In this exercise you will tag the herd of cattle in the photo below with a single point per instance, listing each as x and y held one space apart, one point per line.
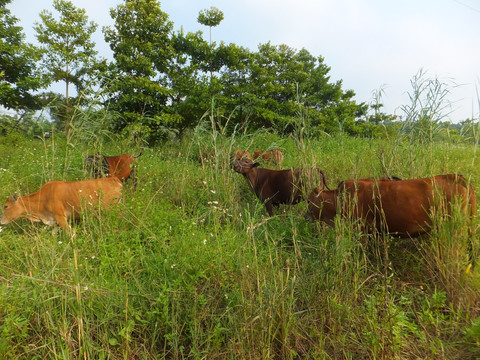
386 205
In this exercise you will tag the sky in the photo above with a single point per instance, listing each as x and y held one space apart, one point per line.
372 46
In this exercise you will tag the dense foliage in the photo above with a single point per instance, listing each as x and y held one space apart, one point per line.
18 71
190 266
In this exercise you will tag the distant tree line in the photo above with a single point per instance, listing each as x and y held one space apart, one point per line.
163 81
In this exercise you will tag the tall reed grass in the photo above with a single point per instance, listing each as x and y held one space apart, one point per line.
191 266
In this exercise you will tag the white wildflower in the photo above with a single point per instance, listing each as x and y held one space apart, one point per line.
204 241
172 266
213 191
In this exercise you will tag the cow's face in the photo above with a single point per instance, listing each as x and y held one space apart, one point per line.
243 166
12 210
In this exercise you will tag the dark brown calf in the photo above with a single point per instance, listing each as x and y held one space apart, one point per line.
274 187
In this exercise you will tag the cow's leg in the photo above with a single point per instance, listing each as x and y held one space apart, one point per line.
61 217
61 220
269 207
133 177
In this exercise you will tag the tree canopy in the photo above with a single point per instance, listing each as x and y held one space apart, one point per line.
18 71
69 54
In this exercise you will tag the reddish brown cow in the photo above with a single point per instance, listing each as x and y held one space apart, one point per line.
119 166
402 207
57 201
274 156
274 187
240 154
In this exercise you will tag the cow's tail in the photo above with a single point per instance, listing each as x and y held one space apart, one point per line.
324 180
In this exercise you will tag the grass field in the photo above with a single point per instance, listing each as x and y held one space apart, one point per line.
191 266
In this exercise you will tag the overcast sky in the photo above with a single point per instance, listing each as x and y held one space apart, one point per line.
369 44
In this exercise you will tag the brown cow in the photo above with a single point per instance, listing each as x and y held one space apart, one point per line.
274 187
274 156
119 166
240 154
401 207
57 201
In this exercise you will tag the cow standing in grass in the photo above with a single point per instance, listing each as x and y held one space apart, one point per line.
58 201
400 207
274 187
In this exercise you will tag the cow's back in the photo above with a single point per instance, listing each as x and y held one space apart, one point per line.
278 185
406 206
57 201
56 195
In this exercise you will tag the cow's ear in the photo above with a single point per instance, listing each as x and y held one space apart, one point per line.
254 165
13 197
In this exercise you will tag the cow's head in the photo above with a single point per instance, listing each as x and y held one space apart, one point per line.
12 210
243 166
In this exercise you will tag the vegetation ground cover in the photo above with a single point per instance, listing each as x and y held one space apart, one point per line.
191 266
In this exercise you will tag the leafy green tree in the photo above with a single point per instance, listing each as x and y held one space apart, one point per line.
18 72
270 88
189 96
69 53
210 17
138 86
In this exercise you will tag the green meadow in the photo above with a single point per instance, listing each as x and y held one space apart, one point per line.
190 266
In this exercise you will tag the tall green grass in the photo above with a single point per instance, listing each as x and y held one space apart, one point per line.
191 266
